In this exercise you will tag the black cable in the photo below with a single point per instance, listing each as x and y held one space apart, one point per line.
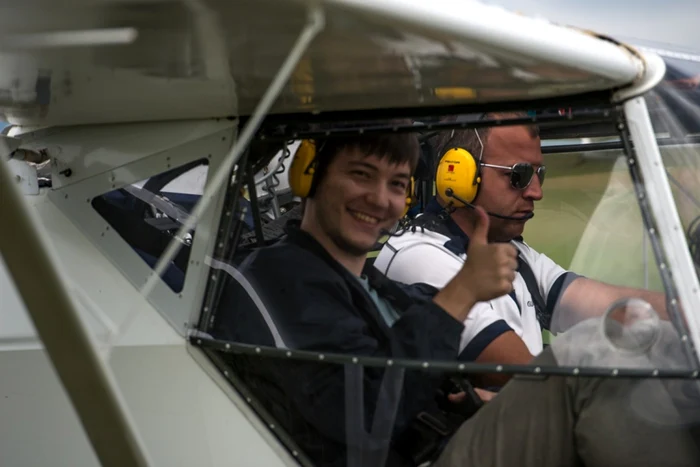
253 193
422 222
694 241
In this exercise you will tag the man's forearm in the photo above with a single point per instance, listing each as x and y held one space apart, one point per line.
588 298
656 299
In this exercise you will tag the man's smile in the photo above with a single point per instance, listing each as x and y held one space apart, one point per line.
363 217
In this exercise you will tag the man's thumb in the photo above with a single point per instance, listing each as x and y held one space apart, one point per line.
481 226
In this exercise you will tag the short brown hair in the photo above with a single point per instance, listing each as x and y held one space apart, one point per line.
469 138
398 148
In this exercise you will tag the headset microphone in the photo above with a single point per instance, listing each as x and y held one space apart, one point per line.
449 192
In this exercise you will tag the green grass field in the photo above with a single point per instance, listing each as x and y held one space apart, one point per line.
589 220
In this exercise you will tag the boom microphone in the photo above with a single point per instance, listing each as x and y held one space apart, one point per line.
451 194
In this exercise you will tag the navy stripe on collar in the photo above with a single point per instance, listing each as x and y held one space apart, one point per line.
459 241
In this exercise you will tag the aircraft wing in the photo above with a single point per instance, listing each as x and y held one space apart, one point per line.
76 62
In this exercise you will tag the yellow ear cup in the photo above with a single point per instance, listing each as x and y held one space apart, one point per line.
301 172
410 196
457 170
406 208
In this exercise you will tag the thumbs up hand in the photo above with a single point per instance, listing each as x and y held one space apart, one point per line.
482 223
489 269
488 272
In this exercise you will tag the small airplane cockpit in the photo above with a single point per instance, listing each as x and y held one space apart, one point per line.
592 221
350 233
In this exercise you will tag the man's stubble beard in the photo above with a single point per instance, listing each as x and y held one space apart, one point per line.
337 237
349 247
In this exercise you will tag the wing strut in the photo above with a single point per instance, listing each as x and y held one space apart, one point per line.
89 382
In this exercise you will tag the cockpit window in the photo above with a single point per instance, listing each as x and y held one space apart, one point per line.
148 214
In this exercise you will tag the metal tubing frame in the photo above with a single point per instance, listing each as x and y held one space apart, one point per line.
289 127
89 382
231 217
253 193
204 341
616 145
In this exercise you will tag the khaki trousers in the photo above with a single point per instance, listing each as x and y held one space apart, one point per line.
576 421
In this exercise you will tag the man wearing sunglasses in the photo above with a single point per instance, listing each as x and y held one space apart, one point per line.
509 179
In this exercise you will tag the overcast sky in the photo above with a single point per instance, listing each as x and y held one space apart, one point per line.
675 22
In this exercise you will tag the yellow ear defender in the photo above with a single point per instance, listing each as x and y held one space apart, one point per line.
301 172
303 168
459 171
411 196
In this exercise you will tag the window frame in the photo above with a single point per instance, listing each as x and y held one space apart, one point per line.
209 140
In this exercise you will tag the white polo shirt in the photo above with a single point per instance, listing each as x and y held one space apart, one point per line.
433 258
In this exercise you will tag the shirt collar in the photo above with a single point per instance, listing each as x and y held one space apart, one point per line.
459 241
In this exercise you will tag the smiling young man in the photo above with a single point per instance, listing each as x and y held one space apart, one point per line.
507 329
311 293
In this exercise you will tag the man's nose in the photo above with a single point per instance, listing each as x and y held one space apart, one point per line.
378 195
534 190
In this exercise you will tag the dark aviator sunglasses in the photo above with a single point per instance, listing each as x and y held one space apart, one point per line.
521 173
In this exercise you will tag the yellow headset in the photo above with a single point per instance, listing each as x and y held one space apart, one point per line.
459 170
303 168
301 172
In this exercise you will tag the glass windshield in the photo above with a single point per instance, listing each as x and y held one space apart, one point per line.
590 224
147 215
